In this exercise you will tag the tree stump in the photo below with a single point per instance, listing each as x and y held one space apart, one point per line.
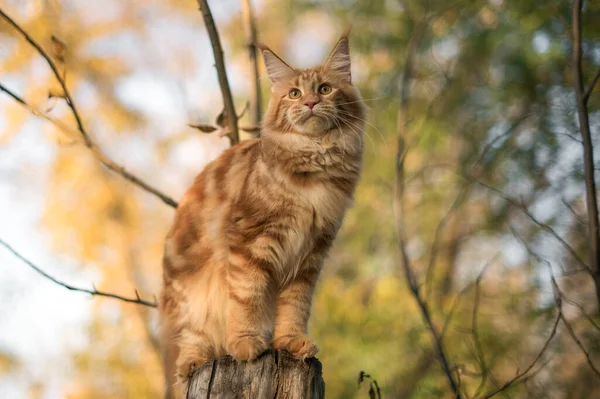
275 374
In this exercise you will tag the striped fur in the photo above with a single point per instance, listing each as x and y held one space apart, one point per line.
249 237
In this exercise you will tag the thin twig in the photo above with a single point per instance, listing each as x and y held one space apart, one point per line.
411 50
251 40
89 143
215 41
93 291
37 112
578 342
582 312
452 309
459 201
588 150
462 292
544 226
559 298
588 91
485 372
55 71
14 96
524 374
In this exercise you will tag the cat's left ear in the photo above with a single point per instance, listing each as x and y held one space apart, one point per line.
339 59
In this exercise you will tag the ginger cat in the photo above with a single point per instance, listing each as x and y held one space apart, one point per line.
249 237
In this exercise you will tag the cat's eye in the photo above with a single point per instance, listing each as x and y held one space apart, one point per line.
294 93
324 89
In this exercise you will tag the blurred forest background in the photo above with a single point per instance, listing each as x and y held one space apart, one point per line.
487 197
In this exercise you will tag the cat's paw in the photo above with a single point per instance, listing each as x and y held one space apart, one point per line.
299 345
247 348
186 367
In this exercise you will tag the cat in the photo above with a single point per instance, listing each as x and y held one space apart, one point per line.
249 238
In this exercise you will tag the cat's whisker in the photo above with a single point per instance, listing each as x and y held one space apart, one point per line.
363 120
363 100
353 129
352 126
342 135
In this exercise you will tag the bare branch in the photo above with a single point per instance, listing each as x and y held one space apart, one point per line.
578 342
459 201
411 50
55 71
14 96
89 143
588 149
582 311
93 291
528 213
95 150
462 292
524 374
559 298
588 91
37 112
452 309
251 41
480 353
215 41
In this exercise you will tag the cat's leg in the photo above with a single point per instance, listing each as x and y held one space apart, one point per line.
249 306
292 313
195 349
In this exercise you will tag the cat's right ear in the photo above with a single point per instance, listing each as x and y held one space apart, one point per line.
277 69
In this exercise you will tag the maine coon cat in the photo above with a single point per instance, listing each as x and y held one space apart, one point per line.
243 255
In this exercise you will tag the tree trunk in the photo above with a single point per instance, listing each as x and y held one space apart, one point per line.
275 374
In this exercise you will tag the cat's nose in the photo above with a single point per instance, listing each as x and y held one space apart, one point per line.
311 105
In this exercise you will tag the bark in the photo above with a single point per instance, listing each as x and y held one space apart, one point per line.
275 374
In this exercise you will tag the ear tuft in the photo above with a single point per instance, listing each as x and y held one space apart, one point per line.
277 69
339 59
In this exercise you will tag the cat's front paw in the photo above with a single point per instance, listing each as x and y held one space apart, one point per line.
247 348
298 345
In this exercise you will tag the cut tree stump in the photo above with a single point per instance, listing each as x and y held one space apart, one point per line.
275 374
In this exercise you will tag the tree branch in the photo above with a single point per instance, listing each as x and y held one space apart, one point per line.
590 88
544 226
559 297
250 28
89 143
94 291
588 358
524 374
55 71
485 370
588 150
213 34
459 201
412 48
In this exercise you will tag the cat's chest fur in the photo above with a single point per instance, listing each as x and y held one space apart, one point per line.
316 216
325 205
320 180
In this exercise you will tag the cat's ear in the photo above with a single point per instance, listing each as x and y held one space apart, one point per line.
339 59
277 69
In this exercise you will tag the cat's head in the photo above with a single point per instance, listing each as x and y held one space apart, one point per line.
312 101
